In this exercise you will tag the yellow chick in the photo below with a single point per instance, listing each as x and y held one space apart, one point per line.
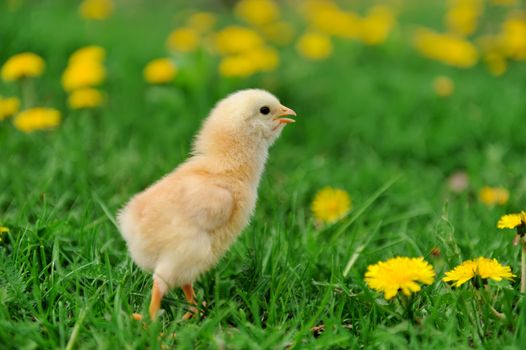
180 226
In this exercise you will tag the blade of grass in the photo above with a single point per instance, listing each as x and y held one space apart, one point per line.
76 328
105 209
359 212
356 254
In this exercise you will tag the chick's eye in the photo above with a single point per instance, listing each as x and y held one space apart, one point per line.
264 110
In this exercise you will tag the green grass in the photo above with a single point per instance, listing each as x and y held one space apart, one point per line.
369 123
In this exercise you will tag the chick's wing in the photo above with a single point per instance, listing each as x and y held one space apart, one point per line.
206 204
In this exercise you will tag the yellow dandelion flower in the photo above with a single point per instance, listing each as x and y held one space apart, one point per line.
512 220
496 63
85 98
481 267
259 59
235 39
446 48
183 40
265 59
462 16
443 86
96 9
83 73
202 21
376 26
494 195
314 46
89 53
399 274
257 12
160 71
3 231
37 118
494 55
513 36
22 65
331 204
8 106
240 66
327 18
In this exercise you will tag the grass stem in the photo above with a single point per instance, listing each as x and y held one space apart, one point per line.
523 266
75 332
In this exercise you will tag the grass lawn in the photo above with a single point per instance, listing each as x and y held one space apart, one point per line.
369 123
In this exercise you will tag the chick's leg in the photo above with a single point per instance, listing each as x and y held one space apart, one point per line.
158 291
189 294
155 302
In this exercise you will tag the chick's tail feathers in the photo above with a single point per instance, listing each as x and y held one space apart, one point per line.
128 227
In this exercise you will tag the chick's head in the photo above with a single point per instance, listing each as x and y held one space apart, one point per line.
252 113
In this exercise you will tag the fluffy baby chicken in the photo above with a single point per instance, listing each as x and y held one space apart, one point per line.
180 226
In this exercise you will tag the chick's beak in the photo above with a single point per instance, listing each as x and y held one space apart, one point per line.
285 111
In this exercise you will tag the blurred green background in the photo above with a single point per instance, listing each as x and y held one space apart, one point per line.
394 98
